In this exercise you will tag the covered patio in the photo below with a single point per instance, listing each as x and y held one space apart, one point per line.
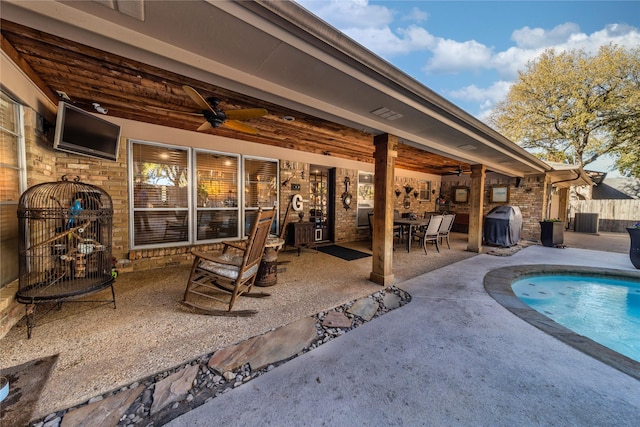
100 349
330 102
150 333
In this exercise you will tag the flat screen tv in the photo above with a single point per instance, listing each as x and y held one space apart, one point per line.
80 132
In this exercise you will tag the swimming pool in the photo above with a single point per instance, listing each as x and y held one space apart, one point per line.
498 283
603 309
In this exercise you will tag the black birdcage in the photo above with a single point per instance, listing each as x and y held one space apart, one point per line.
65 244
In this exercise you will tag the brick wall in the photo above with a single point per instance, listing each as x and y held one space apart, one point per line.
346 220
415 205
530 197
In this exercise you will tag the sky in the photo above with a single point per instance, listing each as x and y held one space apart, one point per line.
470 52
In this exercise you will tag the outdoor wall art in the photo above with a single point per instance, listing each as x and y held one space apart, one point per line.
499 194
461 195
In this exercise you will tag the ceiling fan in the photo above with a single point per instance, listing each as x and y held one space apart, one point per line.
215 117
459 171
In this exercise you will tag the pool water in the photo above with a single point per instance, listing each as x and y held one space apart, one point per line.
605 310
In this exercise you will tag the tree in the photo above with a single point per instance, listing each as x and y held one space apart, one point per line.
572 107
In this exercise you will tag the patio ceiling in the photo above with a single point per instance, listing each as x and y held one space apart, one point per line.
133 58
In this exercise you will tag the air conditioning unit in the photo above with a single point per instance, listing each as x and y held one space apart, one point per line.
586 223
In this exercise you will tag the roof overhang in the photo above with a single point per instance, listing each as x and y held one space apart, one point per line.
564 175
279 52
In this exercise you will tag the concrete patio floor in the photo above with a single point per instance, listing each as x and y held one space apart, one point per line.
453 356
100 349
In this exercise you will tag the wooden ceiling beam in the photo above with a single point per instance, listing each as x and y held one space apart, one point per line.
12 53
130 89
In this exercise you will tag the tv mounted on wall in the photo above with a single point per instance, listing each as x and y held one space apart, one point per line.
80 132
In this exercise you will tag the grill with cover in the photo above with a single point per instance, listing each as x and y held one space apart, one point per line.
502 226
65 244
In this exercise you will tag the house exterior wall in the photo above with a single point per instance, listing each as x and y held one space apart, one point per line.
529 196
44 164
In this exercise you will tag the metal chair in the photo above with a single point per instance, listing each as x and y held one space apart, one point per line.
231 274
430 232
398 230
445 228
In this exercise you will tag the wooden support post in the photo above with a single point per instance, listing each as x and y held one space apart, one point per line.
382 246
476 208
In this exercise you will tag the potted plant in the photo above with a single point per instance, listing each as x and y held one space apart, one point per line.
634 249
551 232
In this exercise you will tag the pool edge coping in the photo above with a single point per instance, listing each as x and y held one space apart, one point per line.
498 283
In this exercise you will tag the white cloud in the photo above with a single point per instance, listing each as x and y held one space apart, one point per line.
530 43
486 98
350 14
534 38
416 15
450 56
372 25
386 43
622 35
507 63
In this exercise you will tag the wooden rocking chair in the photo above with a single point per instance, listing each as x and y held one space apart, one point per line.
226 276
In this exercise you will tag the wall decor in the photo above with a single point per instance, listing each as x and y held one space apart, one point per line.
461 195
346 196
499 194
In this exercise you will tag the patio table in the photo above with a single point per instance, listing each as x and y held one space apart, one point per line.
411 224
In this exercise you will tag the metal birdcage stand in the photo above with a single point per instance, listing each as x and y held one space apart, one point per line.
65 244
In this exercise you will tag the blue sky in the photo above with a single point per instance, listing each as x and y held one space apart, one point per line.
470 52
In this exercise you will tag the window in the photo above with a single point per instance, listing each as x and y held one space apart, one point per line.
186 196
424 192
160 188
12 184
217 195
260 189
365 198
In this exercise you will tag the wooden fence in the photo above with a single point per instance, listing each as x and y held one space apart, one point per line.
613 215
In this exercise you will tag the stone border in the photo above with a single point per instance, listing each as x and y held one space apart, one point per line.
203 383
498 284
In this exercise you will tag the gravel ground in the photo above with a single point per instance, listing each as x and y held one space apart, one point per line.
210 384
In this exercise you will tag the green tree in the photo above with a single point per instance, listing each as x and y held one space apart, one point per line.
572 107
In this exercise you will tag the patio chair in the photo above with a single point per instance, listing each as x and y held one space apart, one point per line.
430 232
398 230
231 274
445 228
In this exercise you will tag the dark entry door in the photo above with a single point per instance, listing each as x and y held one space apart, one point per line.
321 203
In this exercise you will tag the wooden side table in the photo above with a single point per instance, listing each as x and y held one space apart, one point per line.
300 234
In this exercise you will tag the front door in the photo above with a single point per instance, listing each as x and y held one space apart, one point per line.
319 203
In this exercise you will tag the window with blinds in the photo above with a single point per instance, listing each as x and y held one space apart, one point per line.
160 189
181 195
260 189
217 190
11 176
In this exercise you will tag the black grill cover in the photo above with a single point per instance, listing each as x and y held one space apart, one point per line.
502 226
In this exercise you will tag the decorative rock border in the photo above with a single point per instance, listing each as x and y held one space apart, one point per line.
164 396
